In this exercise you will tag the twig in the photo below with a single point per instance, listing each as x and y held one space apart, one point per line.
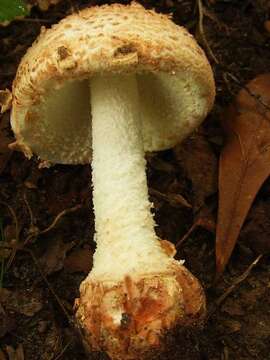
201 30
49 285
34 20
199 221
256 97
12 212
236 282
63 351
35 230
58 217
29 210
14 247
187 234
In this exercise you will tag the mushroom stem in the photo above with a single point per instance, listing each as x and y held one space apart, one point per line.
135 292
125 236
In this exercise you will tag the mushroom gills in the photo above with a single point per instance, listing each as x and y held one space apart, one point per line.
51 132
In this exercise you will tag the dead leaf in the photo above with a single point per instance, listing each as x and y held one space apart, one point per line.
5 140
13 354
45 4
230 326
200 166
2 355
79 260
204 219
52 343
159 164
244 162
54 257
24 302
256 232
175 200
5 100
6 323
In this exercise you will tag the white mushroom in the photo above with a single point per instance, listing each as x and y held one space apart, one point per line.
118 81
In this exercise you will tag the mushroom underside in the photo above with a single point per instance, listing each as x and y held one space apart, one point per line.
58 130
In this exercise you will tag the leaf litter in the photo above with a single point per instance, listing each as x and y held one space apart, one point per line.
244 162
199 164
173 180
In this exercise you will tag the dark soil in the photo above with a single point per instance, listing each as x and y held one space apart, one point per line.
41 278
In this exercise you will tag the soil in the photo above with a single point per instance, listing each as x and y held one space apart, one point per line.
42 274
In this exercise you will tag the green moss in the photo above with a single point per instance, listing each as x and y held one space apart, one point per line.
10 9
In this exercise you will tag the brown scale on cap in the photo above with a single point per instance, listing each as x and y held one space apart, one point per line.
116 39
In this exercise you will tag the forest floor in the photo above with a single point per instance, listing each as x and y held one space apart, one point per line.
42 270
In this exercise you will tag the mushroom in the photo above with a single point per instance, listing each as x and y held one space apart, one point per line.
110 83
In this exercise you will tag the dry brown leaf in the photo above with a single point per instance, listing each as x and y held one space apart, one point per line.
24 302
5 139
256 231
244 163
2 355
54 257
52 343
175 200
6 323
79 260
200 165
5 100
45 4
13 354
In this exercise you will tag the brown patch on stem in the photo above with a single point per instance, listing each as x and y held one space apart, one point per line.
129 319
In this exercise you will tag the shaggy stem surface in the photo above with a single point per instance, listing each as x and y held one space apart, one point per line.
125 236
135 293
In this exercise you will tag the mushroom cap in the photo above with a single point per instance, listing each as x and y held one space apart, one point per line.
51 105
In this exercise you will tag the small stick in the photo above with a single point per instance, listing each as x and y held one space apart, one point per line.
256 97
12 212
49 285
236 282
187 234
63 351
201 30
58 217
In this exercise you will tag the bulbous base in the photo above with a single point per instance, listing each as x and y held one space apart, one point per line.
130 319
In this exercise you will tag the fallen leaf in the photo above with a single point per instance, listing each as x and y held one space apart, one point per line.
204 219
13 354
5 100
5 139
45 4
24 302
79 260
244 162
229 326
256 232
52 343
2 355
159 164
199 163
175 200
233 307
6 323
54 257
